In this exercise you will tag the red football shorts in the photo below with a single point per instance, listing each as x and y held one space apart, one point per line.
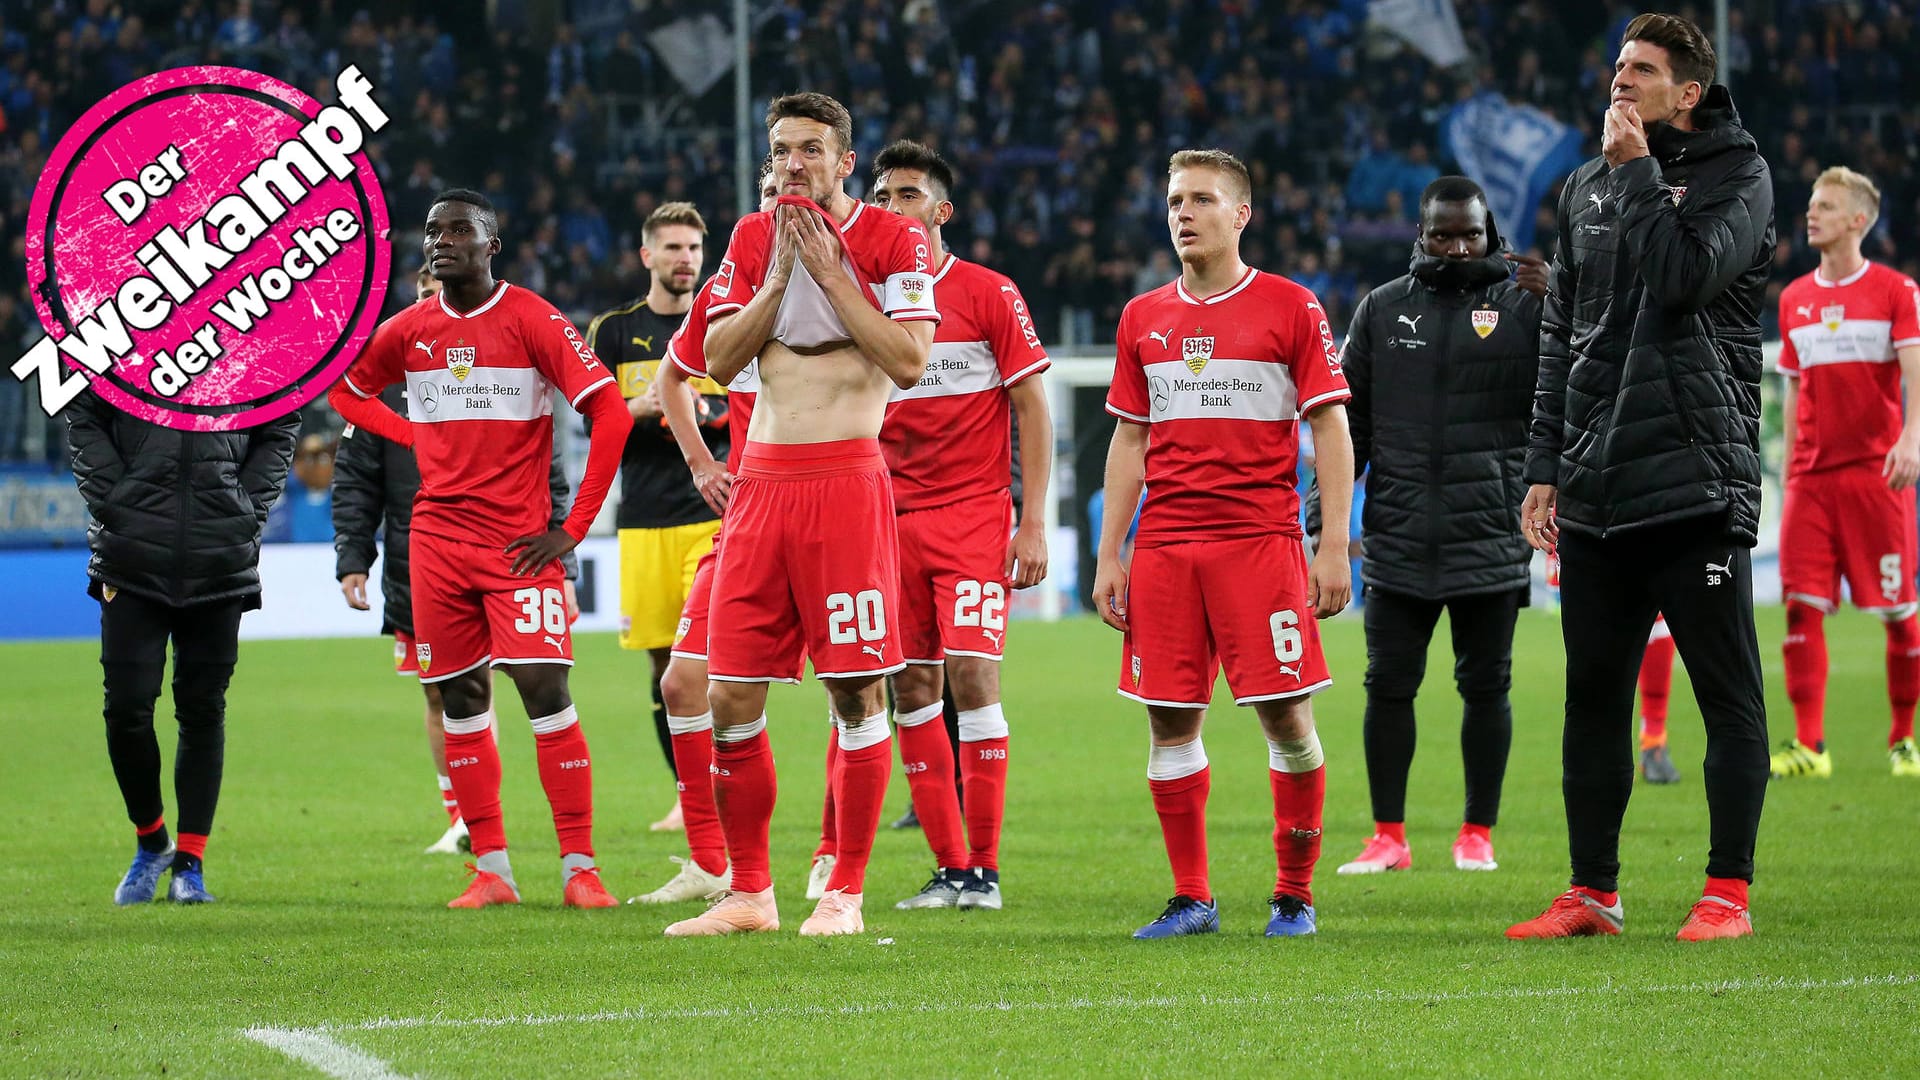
405 662
690 640
953 592
1195 607
1846 523
468 610
811 567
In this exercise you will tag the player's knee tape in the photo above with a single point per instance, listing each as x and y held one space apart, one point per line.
919 716
740 733
1175 762
1296 755
689 725
472 725
869 732
979 725
560 721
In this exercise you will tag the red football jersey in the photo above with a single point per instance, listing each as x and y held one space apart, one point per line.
1223 381
947 438
480 396
1840 339
887 253
687 349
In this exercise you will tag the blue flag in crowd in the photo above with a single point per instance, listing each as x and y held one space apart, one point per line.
1515 152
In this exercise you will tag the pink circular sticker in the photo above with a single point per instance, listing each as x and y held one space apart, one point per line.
208 247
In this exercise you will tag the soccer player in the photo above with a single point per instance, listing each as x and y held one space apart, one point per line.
704 873
1215 370
481 362
836 301
947 446
1850 340
1656 686
665 525
374 483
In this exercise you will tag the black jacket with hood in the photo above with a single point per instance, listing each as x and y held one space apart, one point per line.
1648 405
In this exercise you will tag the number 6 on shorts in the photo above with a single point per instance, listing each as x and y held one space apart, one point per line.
1286 635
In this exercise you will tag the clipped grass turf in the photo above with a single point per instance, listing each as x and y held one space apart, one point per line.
331 934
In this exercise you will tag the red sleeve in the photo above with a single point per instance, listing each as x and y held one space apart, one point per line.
609 424
1016 345
561 352
1906 313
382 363
370 414
1313 358
1127 397
687 348
1789 359
742 269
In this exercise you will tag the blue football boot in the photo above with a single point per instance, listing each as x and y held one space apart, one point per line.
1184 915
187 887
1292 917
143 877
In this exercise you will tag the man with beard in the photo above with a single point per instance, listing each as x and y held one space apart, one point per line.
665 525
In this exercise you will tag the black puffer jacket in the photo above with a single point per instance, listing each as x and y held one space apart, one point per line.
374 482
176 515
1440 412
1648 406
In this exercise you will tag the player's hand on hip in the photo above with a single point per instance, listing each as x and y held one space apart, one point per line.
1902 467
1329 583
1027 556
817 243
715 485
573 601
354 588
535 552
1110 593
1537 522
1530 272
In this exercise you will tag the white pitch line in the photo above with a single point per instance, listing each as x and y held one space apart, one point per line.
313 1045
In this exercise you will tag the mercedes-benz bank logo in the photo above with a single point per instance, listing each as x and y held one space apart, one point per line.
428 402
1162 393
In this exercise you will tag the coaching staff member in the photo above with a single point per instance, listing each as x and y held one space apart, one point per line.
1442 364
175 523
1645 460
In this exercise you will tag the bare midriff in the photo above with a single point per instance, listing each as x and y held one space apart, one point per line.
821 395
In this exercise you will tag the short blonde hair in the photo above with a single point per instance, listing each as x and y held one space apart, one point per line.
1866 197
672 213
1239 182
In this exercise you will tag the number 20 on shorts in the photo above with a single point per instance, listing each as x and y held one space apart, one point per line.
852 617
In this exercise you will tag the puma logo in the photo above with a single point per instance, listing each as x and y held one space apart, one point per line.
993 636
1293 671
425 347
1599 201
877 654
1805 311
1161 337
1413 324
1716 574
555 642
644 342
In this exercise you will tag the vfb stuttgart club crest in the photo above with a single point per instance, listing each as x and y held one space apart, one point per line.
423 654
1196 351
1833 315
460 361
1484 321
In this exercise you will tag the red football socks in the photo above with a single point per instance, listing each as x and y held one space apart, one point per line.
1395 831
194 844
928 758
1182 806
1732 890
1805 653
1656 683
1297 801
1903 675
473 763
983 767
566 772
693 760
744 788
1608 899
859 789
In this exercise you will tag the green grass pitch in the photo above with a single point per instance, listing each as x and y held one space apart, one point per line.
331 937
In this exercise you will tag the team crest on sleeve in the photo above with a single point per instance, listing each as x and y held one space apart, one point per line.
460 361
1484 320
1196 351
1833 315
914 289
423 654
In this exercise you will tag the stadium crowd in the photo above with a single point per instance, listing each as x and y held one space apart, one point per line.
1057 115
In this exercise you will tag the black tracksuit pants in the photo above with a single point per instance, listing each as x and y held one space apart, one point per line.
134 632
1610 590
1399 628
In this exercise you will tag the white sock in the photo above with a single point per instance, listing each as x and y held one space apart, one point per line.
689 725
1296 755
573 864
918 716
495 862
869 732
1174 762
986 722
741 732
